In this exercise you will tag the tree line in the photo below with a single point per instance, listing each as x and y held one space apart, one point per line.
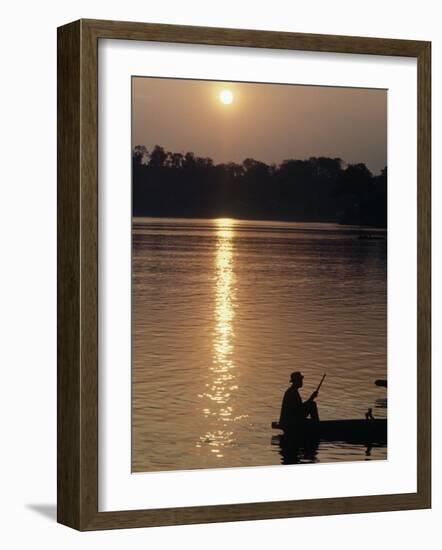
318 189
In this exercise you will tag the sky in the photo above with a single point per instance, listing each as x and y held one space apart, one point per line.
267 122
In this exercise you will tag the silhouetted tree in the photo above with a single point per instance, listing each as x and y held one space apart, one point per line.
141 154
157 157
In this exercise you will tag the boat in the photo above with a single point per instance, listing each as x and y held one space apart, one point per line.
350 431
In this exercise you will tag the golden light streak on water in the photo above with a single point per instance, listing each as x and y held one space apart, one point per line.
222 386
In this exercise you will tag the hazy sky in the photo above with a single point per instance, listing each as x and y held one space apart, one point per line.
268 122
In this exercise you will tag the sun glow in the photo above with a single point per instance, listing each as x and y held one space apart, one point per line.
226 97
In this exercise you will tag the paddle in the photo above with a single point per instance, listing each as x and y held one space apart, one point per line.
320 383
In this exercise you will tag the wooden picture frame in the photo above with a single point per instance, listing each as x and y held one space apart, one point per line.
78 274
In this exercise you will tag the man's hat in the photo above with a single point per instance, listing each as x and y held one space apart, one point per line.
296 376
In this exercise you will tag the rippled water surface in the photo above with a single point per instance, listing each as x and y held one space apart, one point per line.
223 312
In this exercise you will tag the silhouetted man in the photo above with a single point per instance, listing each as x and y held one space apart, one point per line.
293 410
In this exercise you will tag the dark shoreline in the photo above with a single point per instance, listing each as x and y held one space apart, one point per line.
314 190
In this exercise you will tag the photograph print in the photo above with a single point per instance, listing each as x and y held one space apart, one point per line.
259 274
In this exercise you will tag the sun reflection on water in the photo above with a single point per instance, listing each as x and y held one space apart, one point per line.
222 384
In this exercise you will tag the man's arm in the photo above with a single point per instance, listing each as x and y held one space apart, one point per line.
313 396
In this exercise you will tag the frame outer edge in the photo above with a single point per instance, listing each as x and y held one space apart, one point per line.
77 223
89 274
253 38
68 272
424 275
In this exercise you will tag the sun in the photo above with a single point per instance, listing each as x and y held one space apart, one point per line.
226 97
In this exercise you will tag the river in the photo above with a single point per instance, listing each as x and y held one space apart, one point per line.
224 310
